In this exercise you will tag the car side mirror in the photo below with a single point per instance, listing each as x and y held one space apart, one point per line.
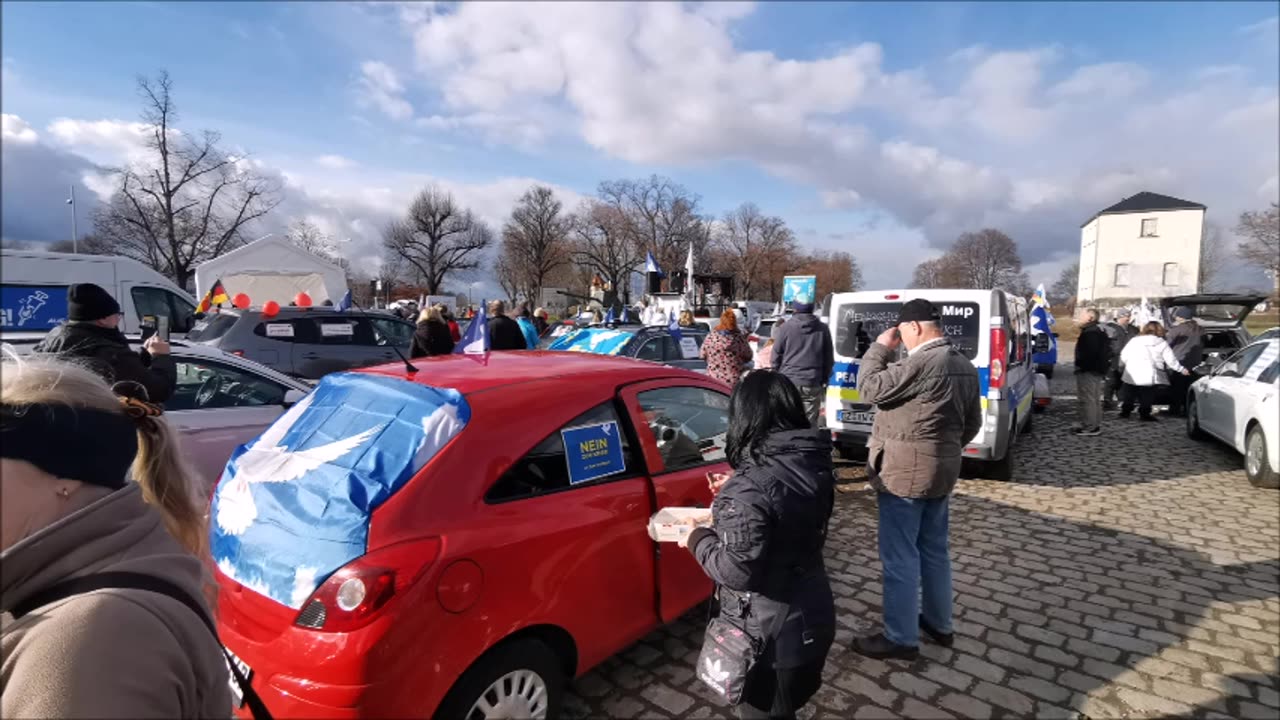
1227 368
1040 343
292 397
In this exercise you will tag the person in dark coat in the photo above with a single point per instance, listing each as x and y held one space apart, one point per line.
1120 330
1093 362
540 321
432 336
764 546
802 351
91 336
1185 339
504 333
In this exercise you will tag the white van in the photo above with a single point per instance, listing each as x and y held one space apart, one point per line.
991 327
33 290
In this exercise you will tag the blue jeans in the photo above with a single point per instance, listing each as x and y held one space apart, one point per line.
913 552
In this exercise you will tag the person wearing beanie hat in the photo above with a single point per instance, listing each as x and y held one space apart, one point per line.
1185 339
803 352
91 336
927 409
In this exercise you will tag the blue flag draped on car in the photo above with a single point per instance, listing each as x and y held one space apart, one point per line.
294 505
344 304
476 338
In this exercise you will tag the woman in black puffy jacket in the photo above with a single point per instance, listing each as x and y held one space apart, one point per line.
432 337
764 548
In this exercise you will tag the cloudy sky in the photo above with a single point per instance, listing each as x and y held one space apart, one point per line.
882 129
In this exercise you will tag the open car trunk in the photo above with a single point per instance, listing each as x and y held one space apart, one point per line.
1212 310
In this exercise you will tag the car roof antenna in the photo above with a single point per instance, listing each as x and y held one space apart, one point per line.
408 366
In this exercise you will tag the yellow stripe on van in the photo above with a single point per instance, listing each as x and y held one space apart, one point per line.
843 394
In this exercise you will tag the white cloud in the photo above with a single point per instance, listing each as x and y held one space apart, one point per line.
334 162
1266 28
105 141
381 87
16 130
1102 81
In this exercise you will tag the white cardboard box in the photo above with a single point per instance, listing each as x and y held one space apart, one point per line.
666 525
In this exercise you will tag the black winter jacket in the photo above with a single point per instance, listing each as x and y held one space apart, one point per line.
1186 340
802 351
432 338
1093 350
764 548
1120 335
505 334
106 352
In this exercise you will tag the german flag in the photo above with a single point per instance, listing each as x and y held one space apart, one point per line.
217 295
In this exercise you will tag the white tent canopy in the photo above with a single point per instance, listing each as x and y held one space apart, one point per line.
273 269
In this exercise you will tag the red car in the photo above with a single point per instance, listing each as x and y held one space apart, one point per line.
516 558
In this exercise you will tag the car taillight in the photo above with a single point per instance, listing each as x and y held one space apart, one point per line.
351 597
237 353
999 357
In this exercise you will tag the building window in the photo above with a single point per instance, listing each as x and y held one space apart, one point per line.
1121 278
1149 227
1170 274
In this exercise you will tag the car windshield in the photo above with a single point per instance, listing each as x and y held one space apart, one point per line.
211 328
1218 312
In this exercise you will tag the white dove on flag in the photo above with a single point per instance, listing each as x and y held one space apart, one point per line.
269 461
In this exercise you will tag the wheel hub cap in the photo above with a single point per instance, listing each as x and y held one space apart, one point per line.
520 694
1253 454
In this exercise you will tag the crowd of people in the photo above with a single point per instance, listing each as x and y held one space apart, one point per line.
119 570
1116 360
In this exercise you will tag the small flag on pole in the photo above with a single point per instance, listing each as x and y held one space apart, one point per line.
674 327
609 318
217 295
476 340
345 303
651 265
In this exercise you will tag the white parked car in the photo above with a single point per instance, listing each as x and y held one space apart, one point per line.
221 401
1239 403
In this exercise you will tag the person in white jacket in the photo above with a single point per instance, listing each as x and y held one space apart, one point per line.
1146 360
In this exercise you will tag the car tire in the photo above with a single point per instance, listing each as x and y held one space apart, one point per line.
508 673
1002 469
1193 420
1257 466
1031 416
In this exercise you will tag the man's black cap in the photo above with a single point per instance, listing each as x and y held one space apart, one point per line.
918 310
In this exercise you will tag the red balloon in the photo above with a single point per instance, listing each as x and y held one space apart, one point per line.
302 300
271 309
240 300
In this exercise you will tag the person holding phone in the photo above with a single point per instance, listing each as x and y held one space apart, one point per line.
91 336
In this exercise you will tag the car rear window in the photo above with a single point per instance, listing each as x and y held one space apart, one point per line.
211 328
600 341
295 505
859 324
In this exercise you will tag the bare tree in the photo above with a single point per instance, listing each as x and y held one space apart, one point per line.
1213 258
660 216
988 259
1068 283
187 202
753 245
936 273
603 243
1260 246
438 238
534 243
834 271
306 235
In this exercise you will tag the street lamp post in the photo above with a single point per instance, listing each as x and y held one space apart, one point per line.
75 236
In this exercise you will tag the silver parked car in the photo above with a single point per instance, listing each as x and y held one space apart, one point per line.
307 342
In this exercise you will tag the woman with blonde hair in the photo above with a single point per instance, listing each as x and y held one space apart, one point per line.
432 336
102 542
1146 361
726 350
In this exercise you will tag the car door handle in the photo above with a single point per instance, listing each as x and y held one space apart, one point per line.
310 356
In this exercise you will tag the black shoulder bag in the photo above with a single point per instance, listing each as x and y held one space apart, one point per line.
138 581
729 652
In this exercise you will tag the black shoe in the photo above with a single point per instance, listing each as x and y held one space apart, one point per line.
878 647
939 638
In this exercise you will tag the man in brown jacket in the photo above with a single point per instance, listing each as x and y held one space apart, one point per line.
928 409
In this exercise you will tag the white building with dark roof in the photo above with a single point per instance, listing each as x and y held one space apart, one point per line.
1147 245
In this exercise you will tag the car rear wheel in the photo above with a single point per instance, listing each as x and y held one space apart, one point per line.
1257 466
521 679
1002 469
1193 420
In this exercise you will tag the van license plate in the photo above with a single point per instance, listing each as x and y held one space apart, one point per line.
237 693
855 417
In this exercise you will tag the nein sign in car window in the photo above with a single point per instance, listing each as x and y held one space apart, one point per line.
860 324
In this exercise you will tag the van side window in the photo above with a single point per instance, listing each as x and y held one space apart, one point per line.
545 468
151 301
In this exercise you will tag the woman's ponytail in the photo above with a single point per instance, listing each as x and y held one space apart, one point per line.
166 484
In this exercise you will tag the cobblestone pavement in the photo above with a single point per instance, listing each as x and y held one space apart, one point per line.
1136 574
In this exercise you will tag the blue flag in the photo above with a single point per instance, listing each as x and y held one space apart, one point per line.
345 303
626 315
609 318
476 338
674 327
651 265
